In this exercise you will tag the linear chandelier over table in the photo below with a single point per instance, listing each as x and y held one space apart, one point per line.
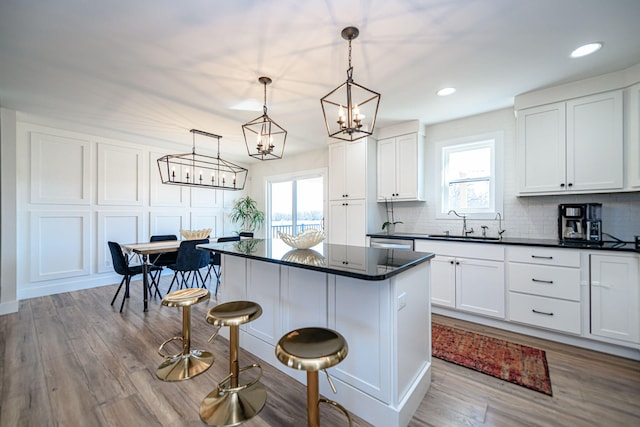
199 170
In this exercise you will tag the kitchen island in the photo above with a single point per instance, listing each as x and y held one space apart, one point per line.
378 299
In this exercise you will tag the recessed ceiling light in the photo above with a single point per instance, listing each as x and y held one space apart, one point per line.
446 91
586 49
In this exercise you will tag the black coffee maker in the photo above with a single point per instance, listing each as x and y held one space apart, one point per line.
580 222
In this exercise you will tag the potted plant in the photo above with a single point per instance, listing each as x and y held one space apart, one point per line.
390 223
246 215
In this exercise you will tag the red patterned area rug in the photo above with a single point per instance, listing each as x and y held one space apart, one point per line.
518 364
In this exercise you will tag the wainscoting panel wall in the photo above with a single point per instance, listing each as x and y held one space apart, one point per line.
78 190
60 169
168 222
120 227
119 175
164 194
59 245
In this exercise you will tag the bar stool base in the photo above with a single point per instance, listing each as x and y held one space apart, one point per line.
230 408
185 366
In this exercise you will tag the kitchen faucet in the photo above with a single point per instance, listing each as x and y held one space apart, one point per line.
465 232
500 230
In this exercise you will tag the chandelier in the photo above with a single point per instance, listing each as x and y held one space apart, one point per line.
350 109
268 136
199 170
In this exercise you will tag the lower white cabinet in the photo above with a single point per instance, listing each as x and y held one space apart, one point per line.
467 277
544 288
615 297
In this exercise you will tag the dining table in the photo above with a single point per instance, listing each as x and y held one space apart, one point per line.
146 249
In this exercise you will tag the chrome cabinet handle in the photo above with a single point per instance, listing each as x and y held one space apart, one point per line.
541 312
542 281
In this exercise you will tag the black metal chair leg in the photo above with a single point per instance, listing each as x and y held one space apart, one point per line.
175 277
118 291
126 292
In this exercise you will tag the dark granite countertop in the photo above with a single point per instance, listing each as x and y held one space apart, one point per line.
351 261
609 245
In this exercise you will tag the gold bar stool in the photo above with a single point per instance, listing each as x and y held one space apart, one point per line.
311 350
188 363
232 403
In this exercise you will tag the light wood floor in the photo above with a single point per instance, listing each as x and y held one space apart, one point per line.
73 360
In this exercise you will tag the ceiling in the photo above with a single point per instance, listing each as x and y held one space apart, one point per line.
159 68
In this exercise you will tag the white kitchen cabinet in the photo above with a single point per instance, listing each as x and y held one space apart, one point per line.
468 277
615 297
347 170
544 287
632 117
572 147
401 168
347 224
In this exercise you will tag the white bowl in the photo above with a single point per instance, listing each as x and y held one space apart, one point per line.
304 240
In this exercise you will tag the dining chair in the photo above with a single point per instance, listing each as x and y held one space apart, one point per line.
188 263
216 261
122 267
165 259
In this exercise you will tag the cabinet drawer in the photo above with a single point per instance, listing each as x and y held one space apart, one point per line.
546 256
544 280
545 312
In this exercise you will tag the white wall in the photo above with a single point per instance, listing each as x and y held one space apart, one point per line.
79 188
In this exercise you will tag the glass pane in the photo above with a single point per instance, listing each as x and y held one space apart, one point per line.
281 208
310 204
474 163
469 195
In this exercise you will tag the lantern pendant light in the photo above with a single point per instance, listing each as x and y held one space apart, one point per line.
350 110
269 137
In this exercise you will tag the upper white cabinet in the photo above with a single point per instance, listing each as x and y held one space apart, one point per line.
575 146
400 172
632 117
347 170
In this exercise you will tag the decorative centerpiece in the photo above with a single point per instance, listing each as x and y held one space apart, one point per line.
305 256
195 234
304 240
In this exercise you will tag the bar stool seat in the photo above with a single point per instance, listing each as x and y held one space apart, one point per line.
312 350
188 363
231 402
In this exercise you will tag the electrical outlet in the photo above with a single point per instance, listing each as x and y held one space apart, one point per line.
402 301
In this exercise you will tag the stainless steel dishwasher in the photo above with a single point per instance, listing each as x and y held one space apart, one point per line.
387 243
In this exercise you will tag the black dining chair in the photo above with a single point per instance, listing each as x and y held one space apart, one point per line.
216 260
122 267
165 259
188 264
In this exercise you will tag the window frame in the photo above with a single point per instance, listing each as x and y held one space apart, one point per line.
495 142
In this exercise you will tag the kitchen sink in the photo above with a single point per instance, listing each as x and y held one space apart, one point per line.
460 237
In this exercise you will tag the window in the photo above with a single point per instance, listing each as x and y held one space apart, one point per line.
295 203
470 176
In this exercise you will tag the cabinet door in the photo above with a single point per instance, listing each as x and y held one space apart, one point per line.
480 286
337 171
356 169
337 233
356 223
386 169
633 121
541 148
407 167
594 142
443 281
615 298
